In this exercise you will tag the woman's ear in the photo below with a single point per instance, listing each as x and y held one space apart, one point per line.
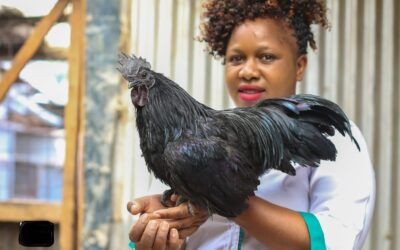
301 66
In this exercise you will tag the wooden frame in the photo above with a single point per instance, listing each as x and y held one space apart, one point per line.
17 211
30 47
69 212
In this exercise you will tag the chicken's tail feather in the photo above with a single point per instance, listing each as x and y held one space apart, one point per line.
297 128
320 112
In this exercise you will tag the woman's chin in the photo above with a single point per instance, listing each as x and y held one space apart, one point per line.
249 102
246 104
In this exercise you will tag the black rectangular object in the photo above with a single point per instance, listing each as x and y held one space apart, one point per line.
36 233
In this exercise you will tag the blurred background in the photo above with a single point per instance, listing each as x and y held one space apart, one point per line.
69 151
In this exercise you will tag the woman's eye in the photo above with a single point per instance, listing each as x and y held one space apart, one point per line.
235 59
267 57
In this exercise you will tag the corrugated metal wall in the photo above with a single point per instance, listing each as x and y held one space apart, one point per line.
356 65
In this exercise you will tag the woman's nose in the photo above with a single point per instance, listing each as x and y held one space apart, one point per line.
249 71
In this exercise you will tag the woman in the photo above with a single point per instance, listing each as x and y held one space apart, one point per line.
264 46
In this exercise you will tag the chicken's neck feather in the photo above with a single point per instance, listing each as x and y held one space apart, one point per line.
169 113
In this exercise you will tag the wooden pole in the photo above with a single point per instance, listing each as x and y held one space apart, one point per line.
71 219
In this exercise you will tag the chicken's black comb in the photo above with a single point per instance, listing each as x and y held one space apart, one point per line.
129 65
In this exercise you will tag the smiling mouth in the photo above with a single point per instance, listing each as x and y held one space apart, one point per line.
250 93
250 96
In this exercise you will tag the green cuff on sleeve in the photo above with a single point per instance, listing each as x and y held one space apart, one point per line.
317 239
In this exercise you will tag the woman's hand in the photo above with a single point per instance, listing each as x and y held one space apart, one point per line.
145 204
149 232
179 217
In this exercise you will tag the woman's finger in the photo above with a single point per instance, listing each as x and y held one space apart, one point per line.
138 228
134 208
145 204
182 223
178 212
148 236
173 240
160 242
192 221
138 206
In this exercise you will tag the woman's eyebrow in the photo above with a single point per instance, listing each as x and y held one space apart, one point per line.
236 50
263 48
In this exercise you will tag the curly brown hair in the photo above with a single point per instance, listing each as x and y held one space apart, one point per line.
222 16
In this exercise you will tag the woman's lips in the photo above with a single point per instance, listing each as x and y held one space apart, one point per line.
250 93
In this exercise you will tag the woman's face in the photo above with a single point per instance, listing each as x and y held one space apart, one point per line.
262 62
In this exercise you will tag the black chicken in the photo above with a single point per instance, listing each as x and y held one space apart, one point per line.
214 158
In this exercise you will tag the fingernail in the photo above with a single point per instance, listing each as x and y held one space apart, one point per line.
129 205
174 233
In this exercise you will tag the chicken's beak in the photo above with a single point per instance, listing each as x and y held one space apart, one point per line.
132 84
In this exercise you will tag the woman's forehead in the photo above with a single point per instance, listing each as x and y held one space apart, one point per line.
268 30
